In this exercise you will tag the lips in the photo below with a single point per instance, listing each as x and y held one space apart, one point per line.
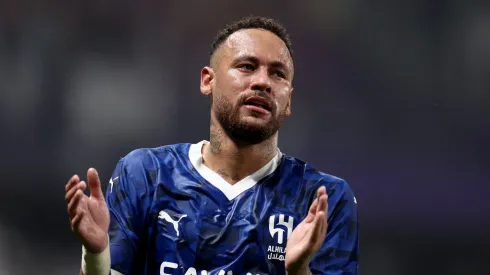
259 102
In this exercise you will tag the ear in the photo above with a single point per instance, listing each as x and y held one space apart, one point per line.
207 79
288 106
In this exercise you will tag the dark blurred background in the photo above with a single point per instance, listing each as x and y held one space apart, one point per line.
393 96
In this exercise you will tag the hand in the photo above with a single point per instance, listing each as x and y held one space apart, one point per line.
89 216
307 238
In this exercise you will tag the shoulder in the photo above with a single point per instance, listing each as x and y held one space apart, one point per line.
152 158
141 166
342 203
338 188
138 170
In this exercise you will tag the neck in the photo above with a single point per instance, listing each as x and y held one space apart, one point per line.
234 160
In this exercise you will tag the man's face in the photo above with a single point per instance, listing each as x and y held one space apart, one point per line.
251 88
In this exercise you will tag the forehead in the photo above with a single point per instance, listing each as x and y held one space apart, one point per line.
259 43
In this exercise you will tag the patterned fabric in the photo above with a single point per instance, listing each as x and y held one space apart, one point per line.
166 218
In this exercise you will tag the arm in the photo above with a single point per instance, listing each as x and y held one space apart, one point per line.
119 216
127 197
326 246
339 252
89 219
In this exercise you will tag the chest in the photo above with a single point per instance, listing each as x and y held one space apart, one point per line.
202 230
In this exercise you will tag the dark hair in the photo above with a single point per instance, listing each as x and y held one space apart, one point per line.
252 22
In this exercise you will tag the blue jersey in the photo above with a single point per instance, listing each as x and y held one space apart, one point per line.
170 214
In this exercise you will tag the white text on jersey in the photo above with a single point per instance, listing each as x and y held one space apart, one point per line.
192 270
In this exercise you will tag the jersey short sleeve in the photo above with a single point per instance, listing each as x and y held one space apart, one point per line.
127 200
339 252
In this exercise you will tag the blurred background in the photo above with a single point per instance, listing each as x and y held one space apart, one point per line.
393 96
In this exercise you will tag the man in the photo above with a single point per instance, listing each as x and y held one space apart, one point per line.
233 205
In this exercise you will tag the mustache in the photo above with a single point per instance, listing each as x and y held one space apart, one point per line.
244 96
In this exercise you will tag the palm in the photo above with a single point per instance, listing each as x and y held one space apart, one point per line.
89 216
99 213
95 224
307 238
298 243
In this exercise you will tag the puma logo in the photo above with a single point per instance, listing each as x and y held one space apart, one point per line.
165 216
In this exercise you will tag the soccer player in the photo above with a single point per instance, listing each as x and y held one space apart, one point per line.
234 204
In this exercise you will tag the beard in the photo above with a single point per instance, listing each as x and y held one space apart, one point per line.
228 116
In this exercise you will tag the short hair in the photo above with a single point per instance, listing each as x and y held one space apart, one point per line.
252 22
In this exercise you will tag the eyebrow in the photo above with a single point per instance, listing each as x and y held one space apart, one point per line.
253 59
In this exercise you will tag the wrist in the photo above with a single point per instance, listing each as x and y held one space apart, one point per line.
100 245
96 263
300 270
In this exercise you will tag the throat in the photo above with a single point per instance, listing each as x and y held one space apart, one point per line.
227 176
232 170
232 160
234 167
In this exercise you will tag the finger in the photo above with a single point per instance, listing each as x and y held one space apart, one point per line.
75 222
73 180
320 193
74 205
323 190
322 203
80 186
320 223
312 211
320 226
94 184
314 206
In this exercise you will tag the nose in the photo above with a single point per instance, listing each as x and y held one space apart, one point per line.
261 81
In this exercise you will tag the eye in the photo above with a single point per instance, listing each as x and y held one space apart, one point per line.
247 67
280 74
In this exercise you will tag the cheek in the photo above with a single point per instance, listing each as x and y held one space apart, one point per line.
282 97
226 86
236 81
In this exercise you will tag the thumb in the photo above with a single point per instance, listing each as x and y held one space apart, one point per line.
94 184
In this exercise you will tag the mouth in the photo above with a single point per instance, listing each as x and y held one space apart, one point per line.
258 104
